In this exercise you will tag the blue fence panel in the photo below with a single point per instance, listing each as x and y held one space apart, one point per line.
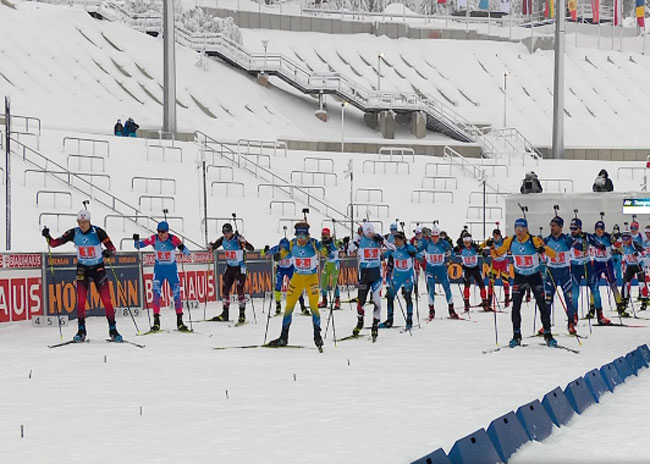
474 448
507 435
596 383
536 421
623 367
579 395
558 407
436 457
611 376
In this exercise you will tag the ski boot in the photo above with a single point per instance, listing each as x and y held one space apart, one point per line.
644 304
180 325
466 306
374 331
278 308
387 324
223 317
242 317
506 302
432 313
486 304
602 320
622 308
550 341
113 333
572 328
156 323
516 339
337 303
283 339
592 312
81 333
358 327
452 314
323 303
318 340
304 310
409 322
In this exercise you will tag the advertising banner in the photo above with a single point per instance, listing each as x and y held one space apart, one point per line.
196 282
60 275
21 287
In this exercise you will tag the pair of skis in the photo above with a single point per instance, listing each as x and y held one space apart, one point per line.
110 340
561 347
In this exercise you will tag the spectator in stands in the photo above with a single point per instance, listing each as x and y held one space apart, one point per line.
118 129
130 127
603 183
531 184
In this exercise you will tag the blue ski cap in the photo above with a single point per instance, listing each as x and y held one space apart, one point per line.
576 224
302 228
557 220
163 226
599 225
521 222
393 227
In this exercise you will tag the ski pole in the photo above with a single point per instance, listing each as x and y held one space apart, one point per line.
400 304
268 316
58 311
121 290
142 280
207 278
557 292
187 303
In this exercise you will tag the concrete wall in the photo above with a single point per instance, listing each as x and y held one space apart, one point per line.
589 205
333 25
351 146
607 154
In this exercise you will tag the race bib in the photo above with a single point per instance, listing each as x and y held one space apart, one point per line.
470 260
560 257
524 261
164 256
88 252
402 264
231 255
371 254
303 264
435 259
285 262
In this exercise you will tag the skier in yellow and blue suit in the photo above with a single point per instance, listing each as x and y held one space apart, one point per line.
304 251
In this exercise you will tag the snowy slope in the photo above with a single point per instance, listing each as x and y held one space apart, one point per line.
604 101
82 74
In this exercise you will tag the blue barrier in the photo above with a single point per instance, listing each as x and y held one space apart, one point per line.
436 457
631 360
641 358
611 376
623 367
596 384
645 351
557 406
579 395
474 448
507 435
536 421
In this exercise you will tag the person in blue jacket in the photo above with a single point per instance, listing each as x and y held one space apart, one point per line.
402 276
437 252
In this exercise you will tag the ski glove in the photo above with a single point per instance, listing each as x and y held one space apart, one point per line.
45 232
266 249
541 249
107 253
136 237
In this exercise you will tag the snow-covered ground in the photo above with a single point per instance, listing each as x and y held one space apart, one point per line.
589 437
388 402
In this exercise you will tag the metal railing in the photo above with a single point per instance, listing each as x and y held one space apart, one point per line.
54 194
296 192
282 204
489 209
29 124
324 176
433 180
68 177
86 188
378 209
55 214
369 192
318 160
151 221
98 147
432 192
217 220
385 164
227 184
470 168
562 184
163 199
397 153
161 181
251 146
90 158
